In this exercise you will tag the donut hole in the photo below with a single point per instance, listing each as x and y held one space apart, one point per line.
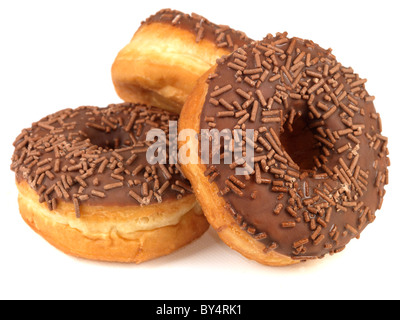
300 144
109 140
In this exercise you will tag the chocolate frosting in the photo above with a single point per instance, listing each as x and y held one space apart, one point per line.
320 159
97 156
223 36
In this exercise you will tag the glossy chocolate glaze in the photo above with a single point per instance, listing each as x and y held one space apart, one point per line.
322 175
97 156
221 35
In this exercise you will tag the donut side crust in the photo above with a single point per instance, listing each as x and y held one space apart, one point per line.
123 234
161 65
214 206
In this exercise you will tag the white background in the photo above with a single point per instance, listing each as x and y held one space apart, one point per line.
58 54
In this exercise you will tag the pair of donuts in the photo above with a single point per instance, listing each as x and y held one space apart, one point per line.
302 174
83 175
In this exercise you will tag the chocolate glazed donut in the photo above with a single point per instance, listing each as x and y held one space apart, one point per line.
320 161
167 55
85 185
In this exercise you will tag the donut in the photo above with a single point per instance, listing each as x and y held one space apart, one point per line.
167 55
312 157
85 185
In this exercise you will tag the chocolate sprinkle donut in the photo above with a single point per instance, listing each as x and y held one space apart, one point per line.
97 156
320 161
